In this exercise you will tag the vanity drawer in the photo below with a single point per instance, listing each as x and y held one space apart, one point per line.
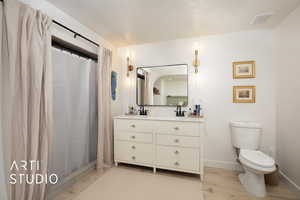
181 141
133 125
178 158
134 136
133 152
179 128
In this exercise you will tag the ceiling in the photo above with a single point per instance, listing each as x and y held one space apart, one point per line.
127 22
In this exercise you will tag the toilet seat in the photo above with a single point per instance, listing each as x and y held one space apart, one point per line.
257 160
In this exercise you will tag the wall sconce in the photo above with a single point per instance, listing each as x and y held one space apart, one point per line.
129 67
196 61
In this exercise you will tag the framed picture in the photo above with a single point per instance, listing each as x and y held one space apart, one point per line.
245 69
244 94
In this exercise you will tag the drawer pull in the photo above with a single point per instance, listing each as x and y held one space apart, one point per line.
133 137
133 147
133 126
133 157
176 128
176 163
176 141
176 152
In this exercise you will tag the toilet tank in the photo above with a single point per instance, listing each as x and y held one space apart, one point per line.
245 135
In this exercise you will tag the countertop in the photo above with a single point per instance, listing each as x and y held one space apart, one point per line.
154 118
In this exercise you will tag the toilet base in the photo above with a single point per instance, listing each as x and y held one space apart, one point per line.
254 183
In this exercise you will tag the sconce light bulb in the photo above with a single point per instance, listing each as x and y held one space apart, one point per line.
196 61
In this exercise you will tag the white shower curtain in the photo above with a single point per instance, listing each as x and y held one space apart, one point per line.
75 113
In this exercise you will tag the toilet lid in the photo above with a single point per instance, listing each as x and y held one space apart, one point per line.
245 124
257 158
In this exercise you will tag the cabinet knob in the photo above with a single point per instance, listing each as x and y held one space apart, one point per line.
133 147
133 126
176 152
176 163
176 128
133 157
133 137
176 140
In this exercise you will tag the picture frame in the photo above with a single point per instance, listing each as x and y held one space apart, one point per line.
244 69
244 94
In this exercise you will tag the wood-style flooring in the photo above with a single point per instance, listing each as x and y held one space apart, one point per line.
138 183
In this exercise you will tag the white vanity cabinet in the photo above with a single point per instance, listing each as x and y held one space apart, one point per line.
166 143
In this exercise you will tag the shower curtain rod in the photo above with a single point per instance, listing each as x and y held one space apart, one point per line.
74 32
71 30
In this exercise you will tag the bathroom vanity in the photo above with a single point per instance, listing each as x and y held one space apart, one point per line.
173 143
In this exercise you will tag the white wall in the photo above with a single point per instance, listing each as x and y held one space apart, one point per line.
60 16
212 86
287 54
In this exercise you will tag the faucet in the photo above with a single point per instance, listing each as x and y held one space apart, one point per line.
179 112
142 110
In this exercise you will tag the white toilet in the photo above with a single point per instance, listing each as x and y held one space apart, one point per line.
246 139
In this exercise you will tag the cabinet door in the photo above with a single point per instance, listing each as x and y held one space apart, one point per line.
176 157
133 152
180 141
143 126
134 136
179 128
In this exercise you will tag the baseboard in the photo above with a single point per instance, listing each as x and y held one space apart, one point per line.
293 186
223 165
